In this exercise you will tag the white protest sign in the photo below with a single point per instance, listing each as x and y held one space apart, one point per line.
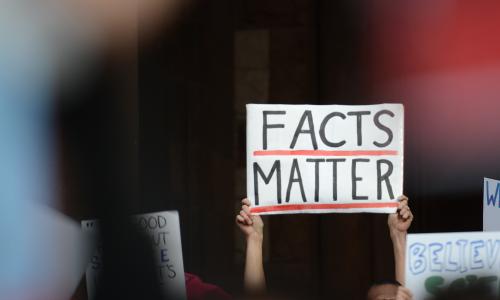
94 267
324 158
164 230
491 205
439 261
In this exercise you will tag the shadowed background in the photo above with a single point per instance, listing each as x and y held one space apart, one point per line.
186 131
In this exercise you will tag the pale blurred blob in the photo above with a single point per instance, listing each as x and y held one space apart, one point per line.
46 44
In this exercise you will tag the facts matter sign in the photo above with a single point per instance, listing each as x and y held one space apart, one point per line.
324 158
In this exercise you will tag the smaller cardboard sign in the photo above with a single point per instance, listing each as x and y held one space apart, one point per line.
164 230
439 261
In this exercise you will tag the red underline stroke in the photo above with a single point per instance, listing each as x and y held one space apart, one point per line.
325 153
288 207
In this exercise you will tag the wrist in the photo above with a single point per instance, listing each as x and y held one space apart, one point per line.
255 238
398 237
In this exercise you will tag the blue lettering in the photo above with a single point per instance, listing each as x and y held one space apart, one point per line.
451 265
461 254
416 259
163 255
490 199
436 260
476 259
492 248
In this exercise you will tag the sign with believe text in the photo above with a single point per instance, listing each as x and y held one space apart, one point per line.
437 262
324 158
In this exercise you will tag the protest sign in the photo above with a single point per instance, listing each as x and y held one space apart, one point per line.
436 262
324 158
94 267
164 230
491 205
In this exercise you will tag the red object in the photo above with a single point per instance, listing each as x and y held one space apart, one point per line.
288 207
198 290
325 152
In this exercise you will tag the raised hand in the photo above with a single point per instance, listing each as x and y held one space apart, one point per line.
251 225
400 221
253 228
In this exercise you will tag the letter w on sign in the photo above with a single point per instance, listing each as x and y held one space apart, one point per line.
491 205
324 158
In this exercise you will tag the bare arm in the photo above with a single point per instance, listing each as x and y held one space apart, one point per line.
399 223
252 226
399 246
255 281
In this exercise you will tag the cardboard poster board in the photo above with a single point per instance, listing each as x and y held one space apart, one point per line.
491 205
439 261
164 230
324 158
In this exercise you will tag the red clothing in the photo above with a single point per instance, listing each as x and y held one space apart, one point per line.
198 290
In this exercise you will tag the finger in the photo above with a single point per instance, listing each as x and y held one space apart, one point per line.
248 221
403 203
402 198
403 210
256 218
245 202
246 209
248 218
240 220
407 210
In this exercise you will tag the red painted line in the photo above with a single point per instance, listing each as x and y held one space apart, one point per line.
288 207
324 152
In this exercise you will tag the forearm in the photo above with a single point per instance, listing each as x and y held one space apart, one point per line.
254 281
399 247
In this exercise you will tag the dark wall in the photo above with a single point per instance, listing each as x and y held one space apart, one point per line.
181 143
188 134
187 137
